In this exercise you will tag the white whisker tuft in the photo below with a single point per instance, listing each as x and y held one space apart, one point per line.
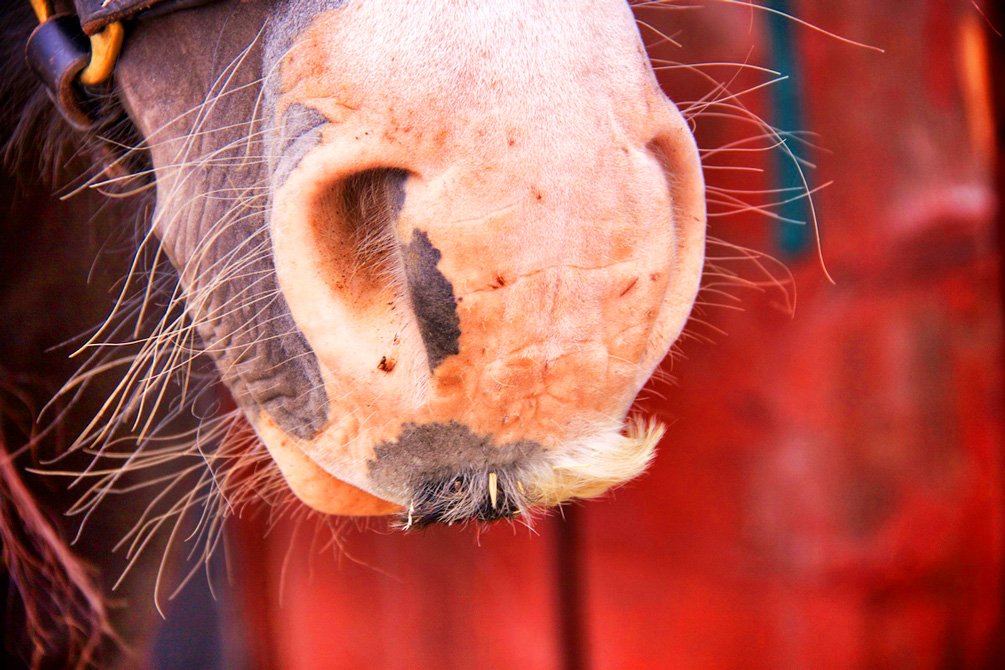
592 466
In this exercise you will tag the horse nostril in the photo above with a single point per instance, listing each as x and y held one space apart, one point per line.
468 496
355 221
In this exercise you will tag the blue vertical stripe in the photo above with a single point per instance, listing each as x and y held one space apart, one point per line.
793 240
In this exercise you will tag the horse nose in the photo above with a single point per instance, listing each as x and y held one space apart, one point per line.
498 246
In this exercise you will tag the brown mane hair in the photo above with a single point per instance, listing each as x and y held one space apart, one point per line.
54 614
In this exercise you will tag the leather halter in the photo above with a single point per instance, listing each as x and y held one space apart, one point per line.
71 53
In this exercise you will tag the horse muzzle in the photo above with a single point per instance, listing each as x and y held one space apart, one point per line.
486 273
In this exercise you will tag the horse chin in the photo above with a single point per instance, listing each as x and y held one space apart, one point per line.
530 479
314 486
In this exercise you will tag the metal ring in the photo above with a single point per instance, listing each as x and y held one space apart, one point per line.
41 8
105 48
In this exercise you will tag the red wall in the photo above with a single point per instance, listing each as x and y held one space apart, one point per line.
829 494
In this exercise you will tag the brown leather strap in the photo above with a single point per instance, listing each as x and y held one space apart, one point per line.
57 51
96 14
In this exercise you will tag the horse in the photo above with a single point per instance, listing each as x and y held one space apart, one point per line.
378 259
282 199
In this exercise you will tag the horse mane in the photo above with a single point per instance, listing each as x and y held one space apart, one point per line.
54 612
35 143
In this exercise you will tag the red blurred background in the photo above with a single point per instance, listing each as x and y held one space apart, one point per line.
829 494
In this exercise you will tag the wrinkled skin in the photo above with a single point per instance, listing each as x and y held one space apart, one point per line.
435 248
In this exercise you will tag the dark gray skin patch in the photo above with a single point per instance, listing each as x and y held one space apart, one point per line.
301 132
433 300
443 469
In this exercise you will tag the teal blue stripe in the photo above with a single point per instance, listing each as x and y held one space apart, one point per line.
792 239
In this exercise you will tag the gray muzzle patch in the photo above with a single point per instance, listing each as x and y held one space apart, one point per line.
450 474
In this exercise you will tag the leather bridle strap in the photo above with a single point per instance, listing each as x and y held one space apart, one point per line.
71 53
95 15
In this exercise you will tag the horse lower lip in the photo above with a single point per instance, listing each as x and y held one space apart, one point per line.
468 497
